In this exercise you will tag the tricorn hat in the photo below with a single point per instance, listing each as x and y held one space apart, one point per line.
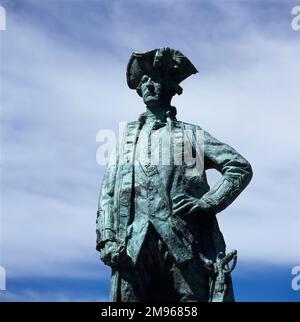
171 62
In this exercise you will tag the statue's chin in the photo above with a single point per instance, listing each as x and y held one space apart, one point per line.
152 101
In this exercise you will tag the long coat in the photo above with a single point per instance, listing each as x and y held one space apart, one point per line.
198 233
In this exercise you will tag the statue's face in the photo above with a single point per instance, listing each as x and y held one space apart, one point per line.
152 91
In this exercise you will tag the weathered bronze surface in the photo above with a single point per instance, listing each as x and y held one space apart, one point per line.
156 222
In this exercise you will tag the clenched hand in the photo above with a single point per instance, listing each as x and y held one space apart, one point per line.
113 254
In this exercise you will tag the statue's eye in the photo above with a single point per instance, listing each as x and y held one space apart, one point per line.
144 79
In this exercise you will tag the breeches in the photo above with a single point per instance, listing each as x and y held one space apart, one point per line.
157 278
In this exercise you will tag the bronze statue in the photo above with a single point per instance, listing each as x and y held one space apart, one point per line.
156 222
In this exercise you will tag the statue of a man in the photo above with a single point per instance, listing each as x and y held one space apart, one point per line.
156 223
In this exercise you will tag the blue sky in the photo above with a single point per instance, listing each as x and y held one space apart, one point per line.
63 79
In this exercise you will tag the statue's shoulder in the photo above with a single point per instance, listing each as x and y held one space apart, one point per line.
130 126
135 122
189 126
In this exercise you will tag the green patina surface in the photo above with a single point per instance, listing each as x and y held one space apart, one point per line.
156 222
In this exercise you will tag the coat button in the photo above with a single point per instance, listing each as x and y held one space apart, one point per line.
124 202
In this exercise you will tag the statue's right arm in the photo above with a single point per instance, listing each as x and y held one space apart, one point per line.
106 221
112 250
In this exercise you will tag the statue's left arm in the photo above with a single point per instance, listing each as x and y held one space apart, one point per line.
235 169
